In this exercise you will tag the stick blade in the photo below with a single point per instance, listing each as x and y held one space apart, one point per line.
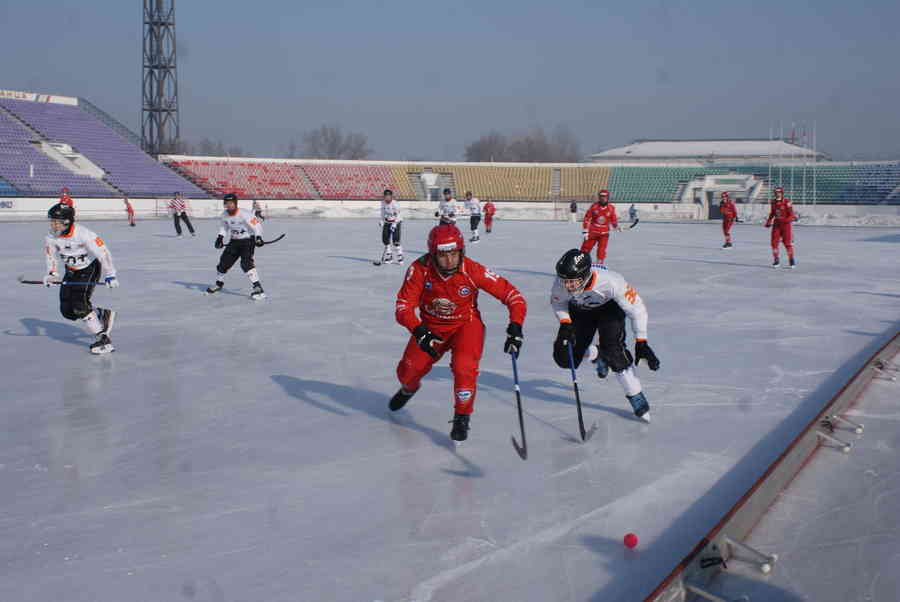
522 451
585 435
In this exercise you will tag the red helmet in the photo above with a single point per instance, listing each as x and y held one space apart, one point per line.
445 237
603 192
725 195
779 189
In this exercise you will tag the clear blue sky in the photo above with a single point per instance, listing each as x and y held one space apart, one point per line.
422 79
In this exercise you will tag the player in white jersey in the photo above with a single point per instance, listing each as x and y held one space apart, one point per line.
446 212
588 299
85 256
391 222
244 233
473 206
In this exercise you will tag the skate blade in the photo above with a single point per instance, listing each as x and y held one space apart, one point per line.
103 350
646 417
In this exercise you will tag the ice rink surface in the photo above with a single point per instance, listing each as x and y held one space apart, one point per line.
239 451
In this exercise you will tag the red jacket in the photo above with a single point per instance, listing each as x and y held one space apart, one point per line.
65 199
489 209
448 302
598 218
781 212
729 211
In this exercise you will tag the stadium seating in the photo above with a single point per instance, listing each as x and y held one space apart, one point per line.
247 179
403 188
350 181
35 174
526 183
652 184
7 189
582 183
127 167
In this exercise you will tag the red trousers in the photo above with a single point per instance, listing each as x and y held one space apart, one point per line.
601 241
465 343
782 233
488 221
726 228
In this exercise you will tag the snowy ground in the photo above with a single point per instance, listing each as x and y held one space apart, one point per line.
237 451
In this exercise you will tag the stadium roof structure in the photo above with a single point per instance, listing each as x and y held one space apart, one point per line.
712 149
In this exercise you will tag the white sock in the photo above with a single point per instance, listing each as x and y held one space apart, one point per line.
399 249
252 275
220 277
629 381
92 322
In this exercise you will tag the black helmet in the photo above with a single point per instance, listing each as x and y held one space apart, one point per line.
447 191
229 197
574 264
387 191
64 213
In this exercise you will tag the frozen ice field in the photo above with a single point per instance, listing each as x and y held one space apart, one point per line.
238 451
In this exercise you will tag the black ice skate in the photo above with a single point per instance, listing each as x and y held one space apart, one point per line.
399 399
460 430
792 264
776 263
102 345
215 288
640 405
257 293
727 245
107 318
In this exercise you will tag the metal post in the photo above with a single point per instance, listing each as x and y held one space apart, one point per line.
160 128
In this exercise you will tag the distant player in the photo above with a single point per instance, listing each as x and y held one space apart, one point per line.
130 211
589 300
391 222
596 224
573 211
178 209
258 211
633 214
444 285
729 214
781 216
65 199
446 212
489 211
473 206
244 233
85 256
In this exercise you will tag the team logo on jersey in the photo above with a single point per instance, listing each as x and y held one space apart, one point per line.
464 395
464 291
443 307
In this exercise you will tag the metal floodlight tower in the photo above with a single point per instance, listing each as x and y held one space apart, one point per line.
160 131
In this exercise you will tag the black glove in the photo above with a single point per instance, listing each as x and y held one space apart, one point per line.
258 241
220 242
436 214
642 351
513 338
566 333
427 340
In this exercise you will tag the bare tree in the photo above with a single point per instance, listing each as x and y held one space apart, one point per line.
492 146
530 147
330 142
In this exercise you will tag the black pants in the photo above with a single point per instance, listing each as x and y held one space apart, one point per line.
75 301
183 215
474 220
242 248
390 235
609 321
259 215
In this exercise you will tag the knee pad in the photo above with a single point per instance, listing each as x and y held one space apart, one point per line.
618 359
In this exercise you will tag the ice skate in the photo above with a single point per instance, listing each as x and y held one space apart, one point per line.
640 405
776 263
400 398
179 236
215 288
107 318
399 259
594 356
257 294
727 245
791 264
102 345
460 430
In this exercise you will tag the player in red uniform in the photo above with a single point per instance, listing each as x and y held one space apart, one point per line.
489 211
595 226
729 214
130 210
444 285
781 216
65 199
